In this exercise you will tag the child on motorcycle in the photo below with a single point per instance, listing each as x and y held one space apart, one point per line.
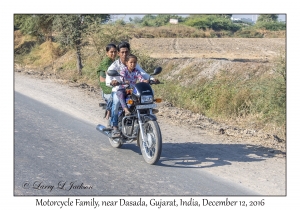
129 76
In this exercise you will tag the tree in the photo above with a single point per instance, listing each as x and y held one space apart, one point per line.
270 22
45 23
136 20
70 29
165 19
38 25
214 22
120 22
148 17
228 16
267 18
22 21
148 20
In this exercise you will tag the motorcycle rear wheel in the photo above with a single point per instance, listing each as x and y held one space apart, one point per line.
151 150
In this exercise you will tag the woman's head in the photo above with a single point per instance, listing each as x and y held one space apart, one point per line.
111 51
131 61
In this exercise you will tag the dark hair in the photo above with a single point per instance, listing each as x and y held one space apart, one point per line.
130 56
123 45
109 46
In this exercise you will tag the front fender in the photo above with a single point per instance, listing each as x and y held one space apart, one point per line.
149 117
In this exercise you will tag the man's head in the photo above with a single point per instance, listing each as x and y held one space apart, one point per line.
123 50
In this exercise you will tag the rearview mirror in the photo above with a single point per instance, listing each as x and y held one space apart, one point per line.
113 73
157 71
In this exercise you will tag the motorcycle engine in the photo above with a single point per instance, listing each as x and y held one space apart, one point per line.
128 126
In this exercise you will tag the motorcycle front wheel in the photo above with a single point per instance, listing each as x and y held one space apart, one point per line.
152 146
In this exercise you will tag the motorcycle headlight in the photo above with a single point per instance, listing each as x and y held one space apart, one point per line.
146 99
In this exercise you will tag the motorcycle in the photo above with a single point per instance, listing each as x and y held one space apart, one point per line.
141 125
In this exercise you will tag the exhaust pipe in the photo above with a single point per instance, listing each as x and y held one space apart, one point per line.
103 130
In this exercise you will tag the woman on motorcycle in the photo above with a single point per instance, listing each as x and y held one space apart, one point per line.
129 76
111 52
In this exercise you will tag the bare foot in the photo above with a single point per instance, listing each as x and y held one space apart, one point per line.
127 112
107 115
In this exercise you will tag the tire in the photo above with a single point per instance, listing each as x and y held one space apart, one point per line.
151 153
116 143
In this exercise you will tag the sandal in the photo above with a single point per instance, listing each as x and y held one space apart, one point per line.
115 133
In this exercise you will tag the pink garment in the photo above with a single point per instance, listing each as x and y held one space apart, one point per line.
132 77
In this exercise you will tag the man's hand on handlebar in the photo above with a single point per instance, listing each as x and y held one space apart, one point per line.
154 81
114 83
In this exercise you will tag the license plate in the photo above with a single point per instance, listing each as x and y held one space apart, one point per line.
148 106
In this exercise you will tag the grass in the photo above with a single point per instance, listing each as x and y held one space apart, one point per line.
256 95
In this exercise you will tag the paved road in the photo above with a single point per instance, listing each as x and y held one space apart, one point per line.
57 154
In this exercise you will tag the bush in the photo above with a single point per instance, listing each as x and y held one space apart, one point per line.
248 33
213 22
258 93
271 26
145 61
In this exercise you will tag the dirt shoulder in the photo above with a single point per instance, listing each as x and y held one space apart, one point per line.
186 119
244 159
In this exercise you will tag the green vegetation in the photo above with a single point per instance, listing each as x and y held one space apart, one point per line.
53 43
217 23
214 22
255 95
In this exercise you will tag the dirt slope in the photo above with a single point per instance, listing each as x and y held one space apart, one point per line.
213 55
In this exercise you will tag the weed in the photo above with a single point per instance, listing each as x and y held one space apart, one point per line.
257 94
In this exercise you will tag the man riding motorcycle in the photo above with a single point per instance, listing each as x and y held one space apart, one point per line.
123 49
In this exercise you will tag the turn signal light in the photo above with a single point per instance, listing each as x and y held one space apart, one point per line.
158 100
130 101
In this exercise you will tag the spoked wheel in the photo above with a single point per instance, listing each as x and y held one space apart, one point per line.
152 146
116 143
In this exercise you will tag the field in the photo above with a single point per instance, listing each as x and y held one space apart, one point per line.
233 49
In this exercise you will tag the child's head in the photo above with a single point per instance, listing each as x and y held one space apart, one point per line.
131 61
111 51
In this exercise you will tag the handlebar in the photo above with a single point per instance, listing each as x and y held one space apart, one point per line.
155 83
151 82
